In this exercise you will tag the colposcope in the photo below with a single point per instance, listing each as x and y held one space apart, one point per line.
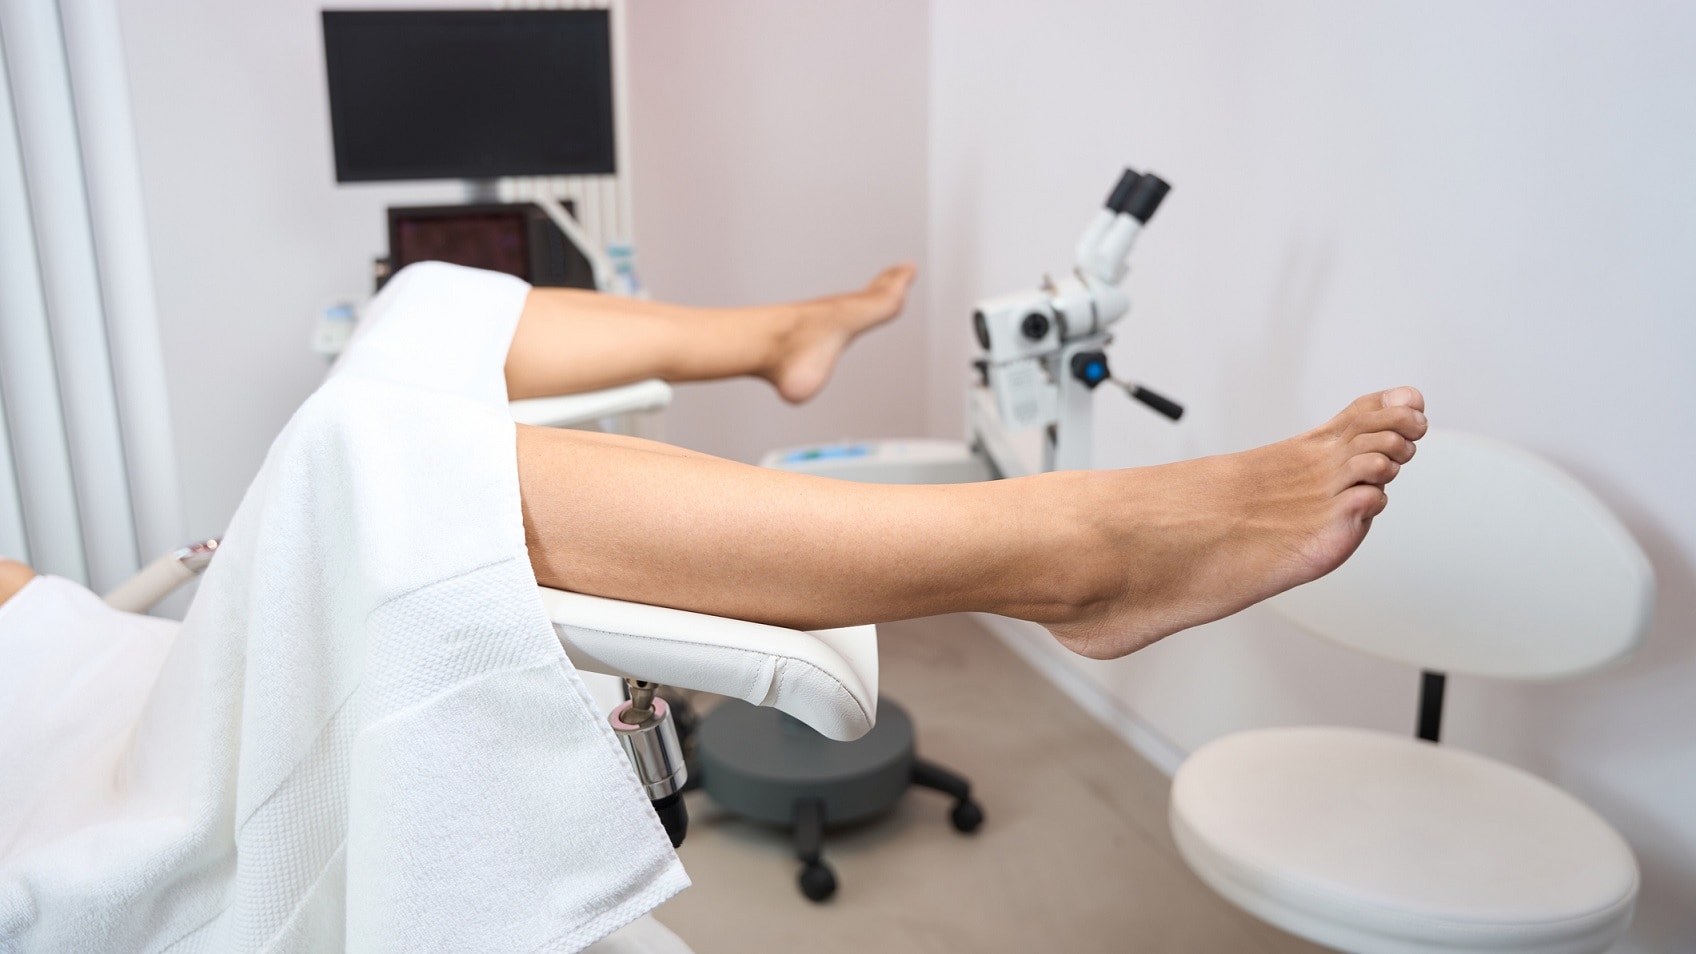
1045 348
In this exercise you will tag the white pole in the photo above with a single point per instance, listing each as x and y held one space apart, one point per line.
113 173
40 455
599 264
626 218
14 543
46 123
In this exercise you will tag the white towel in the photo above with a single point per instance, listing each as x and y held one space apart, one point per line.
365 735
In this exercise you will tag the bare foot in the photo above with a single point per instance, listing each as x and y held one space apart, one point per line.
808 353
1199 540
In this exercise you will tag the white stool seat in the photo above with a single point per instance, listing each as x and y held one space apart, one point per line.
1379 844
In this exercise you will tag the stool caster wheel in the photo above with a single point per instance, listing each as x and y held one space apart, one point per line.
966 816
818 882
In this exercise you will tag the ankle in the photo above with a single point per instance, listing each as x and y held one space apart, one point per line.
776 336
1071 562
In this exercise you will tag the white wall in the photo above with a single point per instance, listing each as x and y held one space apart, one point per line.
763 171
1491 201
251 237
780 153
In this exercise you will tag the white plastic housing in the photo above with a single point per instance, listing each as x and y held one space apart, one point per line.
1004 317
1106 260
1093 234
1088 305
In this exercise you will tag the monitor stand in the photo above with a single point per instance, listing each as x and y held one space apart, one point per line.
487 191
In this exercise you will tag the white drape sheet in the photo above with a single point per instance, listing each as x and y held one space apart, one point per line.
365 735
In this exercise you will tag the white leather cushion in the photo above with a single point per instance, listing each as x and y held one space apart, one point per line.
1379 843
827 679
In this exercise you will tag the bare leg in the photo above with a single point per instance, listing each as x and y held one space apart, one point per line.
570 340
1109 561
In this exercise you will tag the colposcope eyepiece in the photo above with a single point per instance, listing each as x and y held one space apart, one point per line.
980 327
1122 192
1146 197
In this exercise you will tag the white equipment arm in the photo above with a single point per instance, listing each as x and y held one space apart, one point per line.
572 409
158 579
599 264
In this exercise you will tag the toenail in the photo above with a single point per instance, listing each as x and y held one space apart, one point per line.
1398 396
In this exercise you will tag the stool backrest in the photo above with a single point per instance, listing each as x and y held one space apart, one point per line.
1490 561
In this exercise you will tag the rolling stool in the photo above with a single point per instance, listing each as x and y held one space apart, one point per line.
768 766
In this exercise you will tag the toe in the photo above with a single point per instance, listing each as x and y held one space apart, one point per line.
1371 469
1369 412
1389 443
1394 397
895 276
1364 502
1403 419
1403 397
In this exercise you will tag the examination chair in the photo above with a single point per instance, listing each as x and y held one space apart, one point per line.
1491 562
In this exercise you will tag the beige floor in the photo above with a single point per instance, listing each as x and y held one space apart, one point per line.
1074 856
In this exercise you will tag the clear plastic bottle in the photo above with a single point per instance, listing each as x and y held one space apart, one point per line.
625 282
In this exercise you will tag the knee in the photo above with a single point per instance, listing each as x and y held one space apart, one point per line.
13 576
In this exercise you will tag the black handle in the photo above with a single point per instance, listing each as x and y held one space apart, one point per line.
674 816
1164 405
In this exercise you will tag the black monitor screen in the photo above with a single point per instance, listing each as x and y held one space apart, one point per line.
471 94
